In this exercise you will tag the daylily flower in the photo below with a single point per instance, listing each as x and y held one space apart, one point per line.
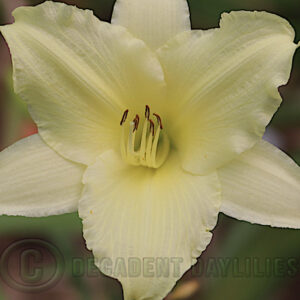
193 106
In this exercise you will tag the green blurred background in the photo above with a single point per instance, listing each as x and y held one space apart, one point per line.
243 245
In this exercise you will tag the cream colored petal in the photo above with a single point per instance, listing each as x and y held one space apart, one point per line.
35 181
153 21
78 75
262 186
147 215
223 85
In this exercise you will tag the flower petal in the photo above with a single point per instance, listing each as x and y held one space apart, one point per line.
262 186
153 21
149 215
224 87
78 75
36 181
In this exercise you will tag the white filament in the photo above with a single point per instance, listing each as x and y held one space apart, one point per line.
153 149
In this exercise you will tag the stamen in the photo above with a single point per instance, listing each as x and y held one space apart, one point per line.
132 156
151 127
136 122
144 143
150 148
147 112
158 120
124 117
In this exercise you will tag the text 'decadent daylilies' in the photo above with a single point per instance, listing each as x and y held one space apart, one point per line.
193 106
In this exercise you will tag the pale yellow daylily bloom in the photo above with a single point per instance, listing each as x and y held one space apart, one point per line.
193 106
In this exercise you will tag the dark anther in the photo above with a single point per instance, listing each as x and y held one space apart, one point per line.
136 122
151 127
158 120
124 117
147 112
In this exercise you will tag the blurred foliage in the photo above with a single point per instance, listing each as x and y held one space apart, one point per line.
205 14
233 239
262 244
63 225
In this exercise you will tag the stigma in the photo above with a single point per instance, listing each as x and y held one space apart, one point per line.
144 142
